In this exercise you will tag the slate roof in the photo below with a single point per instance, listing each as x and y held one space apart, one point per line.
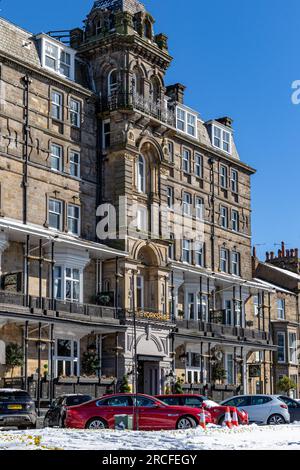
18 43
132 6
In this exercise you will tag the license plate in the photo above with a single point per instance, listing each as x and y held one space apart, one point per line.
14 407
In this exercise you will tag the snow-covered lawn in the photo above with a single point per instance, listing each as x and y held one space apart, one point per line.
248 437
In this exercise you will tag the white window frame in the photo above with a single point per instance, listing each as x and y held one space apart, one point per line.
141 219
235 220
281 309
283 335
59 63
198 165
73 164
57 158
186 250
199 254
75 113
199 206
204 302
72 358
186 122
187 205
224 259
223 176
292 347
141 174
224 217
112 87
256 305
59 214
73 281
186 160
57 99
222 139
77 220
235 263
106 134
234 181
170 197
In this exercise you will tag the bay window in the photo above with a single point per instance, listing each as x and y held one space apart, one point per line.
57 57
281 347
67 357
67 283
202 307
72 285
293 348
191 306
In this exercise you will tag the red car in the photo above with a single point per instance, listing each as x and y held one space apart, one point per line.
152 413
199 401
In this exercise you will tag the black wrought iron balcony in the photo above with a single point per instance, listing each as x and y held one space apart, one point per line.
64 307
222 330
133 101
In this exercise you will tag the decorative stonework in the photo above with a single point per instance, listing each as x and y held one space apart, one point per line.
132 6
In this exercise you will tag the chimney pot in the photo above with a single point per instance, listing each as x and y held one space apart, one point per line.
296 253
292 253
283 248
272 254
267 256
287 253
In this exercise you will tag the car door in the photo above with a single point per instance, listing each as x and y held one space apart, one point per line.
54 412
113 406
260 408
153 416
294 407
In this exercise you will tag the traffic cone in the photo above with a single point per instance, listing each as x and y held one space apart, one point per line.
203 419
228 420
235 420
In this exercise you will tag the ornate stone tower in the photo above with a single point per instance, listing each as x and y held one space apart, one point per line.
127 65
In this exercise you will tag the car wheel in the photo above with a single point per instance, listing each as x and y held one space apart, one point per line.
276 420
96 423
186 423
22 428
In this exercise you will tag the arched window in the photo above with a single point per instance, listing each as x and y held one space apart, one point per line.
154 90
112 82
141 174
137 83
148 29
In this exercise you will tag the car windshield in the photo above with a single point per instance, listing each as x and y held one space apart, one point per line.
14 396
73 401
210 403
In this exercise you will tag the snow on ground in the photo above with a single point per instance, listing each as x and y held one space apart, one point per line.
242 438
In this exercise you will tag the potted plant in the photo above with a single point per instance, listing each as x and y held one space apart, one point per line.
286 385
125 387
67 380
218 372
90 363
180 314
14 357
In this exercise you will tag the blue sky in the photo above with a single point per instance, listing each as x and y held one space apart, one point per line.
237 58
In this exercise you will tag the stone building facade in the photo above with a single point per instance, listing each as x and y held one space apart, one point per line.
100 159
282 273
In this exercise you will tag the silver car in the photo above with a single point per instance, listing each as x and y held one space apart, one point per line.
262 409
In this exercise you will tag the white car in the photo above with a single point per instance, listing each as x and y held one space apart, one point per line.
262 409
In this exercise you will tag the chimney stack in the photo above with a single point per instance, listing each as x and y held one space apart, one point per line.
272 255
297 253
267 256
283 249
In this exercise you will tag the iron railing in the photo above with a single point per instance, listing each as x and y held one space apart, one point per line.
133 101
31 302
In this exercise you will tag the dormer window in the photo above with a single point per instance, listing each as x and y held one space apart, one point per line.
57 57
148 30
186 122
221 139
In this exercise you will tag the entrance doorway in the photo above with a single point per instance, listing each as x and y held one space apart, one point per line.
148 378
